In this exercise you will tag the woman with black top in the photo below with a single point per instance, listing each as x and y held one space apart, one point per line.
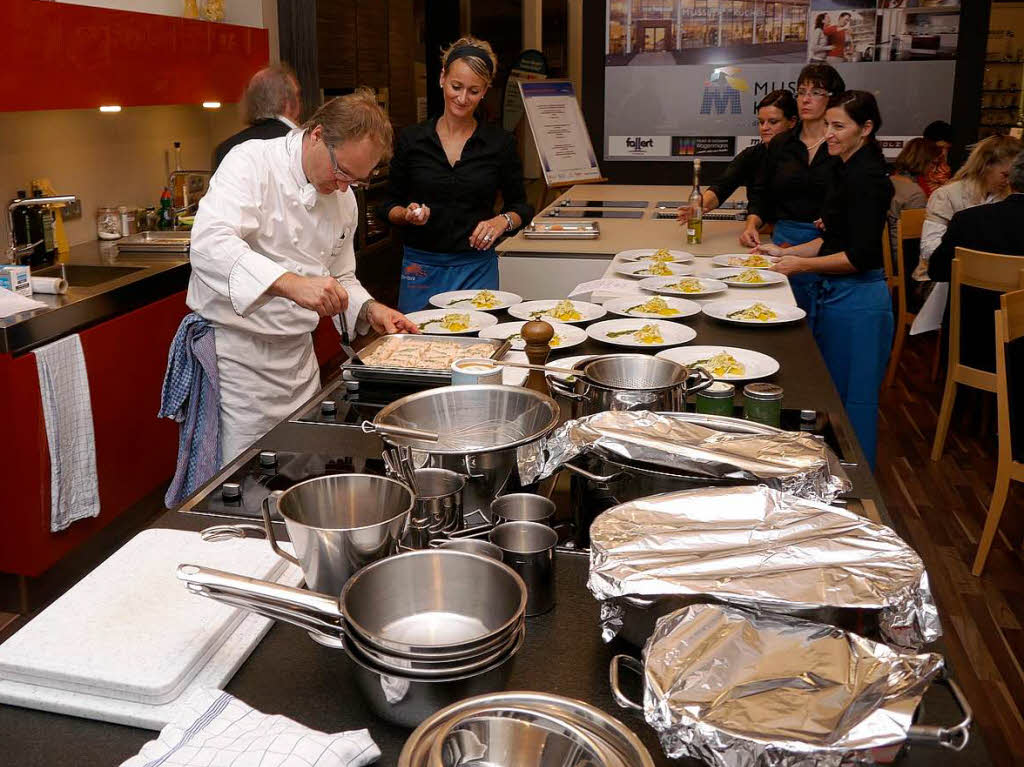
851 312
444 180
792 181
776 113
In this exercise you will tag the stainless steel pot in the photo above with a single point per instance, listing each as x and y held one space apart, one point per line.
339 523
630 382
480 428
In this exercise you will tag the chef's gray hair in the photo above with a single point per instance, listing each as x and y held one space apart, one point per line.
352 117
270 93
1017 173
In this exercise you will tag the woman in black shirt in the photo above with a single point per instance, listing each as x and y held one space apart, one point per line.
776 113
444 179
851 312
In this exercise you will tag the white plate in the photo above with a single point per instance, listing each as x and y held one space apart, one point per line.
514 376
477 321
721 309
463 300
757 365
568 362
735 260
681 305
770 278
525 310
569 335
658 285
643 254
642 268
672 333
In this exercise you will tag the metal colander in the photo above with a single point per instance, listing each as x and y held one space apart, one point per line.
634 372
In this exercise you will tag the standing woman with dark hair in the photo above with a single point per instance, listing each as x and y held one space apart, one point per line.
444 181
776 113
792 181
851 315
819 44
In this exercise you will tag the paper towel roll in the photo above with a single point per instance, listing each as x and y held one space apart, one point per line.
51 285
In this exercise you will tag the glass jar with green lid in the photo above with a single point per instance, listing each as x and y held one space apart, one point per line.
762 402
717 399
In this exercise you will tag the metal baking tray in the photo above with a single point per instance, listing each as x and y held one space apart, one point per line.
360 371
563 230
155 242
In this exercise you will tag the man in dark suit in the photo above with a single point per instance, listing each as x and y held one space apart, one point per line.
994 228
273 103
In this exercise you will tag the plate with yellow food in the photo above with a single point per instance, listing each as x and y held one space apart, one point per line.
641 333
753 312
653 269
653 307
451 321
745 260
560 310
664 255
565 336
683 286
748 278
724 363
481 300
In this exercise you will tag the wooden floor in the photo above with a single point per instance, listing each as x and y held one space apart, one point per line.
939 507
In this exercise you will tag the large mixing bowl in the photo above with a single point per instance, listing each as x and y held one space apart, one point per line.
479 427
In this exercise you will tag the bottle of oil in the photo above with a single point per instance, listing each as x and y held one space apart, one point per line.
695 223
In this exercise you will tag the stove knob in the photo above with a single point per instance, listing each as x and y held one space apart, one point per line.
328 407
231 492
268 459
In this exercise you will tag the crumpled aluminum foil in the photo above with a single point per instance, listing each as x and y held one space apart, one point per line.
758 548
796 462
736 689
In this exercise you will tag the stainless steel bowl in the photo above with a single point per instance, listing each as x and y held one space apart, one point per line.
522 507
472 546
634 371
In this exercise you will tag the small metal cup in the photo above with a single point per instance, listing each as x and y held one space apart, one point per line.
438 507
529 549
473 546
523 507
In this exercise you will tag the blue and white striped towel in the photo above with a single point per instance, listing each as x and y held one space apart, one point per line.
218 729
64 389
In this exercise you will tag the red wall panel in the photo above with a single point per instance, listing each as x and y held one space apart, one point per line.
62 56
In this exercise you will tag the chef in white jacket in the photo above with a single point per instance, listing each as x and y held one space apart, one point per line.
272 252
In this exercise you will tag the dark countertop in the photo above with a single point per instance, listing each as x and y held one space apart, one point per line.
158 276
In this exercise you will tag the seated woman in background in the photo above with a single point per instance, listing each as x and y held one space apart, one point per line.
941 132
851 314
776 113
982 179
916 160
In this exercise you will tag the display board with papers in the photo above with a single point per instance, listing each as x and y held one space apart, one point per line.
561 136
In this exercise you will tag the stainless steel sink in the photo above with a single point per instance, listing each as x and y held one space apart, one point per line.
87 275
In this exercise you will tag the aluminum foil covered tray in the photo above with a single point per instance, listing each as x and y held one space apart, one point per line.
762 549
795 462
733 689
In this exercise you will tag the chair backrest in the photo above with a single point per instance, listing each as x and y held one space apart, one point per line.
908 227
887 263
978 278
1010 375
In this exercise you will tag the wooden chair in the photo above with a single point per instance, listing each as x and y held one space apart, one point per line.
1009 393
908 227
988 271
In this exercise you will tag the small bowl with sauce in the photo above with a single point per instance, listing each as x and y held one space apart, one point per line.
476 370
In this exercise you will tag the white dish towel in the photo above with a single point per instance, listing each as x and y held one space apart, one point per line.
64 388
217 729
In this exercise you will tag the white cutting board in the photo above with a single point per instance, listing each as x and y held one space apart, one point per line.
130 630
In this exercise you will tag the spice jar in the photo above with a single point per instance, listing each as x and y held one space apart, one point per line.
717 399
108 223
127 220
762 402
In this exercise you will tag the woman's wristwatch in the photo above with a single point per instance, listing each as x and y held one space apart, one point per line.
511 225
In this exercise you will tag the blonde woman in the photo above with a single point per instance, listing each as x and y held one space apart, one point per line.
444 182
982 179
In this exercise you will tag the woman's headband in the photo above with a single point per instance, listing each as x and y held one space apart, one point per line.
467 51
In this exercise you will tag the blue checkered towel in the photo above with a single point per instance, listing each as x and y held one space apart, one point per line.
191 396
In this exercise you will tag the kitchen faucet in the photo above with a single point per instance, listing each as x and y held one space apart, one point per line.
188 206
14 250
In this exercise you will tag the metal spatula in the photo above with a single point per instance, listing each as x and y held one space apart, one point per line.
346 342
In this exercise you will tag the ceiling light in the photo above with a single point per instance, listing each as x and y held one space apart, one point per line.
211 104
111 108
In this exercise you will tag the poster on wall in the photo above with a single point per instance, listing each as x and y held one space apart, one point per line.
556 122
683 77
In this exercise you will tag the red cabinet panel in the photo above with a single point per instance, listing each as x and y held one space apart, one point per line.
62 56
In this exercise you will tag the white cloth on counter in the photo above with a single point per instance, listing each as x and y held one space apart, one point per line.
64 390
219 730
15 303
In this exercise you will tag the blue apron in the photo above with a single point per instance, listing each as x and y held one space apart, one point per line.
851 318
425 274
786 233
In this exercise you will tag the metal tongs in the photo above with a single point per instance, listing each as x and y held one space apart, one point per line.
346 341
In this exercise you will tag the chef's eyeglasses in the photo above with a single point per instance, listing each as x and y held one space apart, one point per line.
341 175
818 93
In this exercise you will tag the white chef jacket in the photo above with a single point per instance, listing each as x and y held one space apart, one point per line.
260 219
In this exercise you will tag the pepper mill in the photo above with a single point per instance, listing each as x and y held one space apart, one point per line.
537 334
